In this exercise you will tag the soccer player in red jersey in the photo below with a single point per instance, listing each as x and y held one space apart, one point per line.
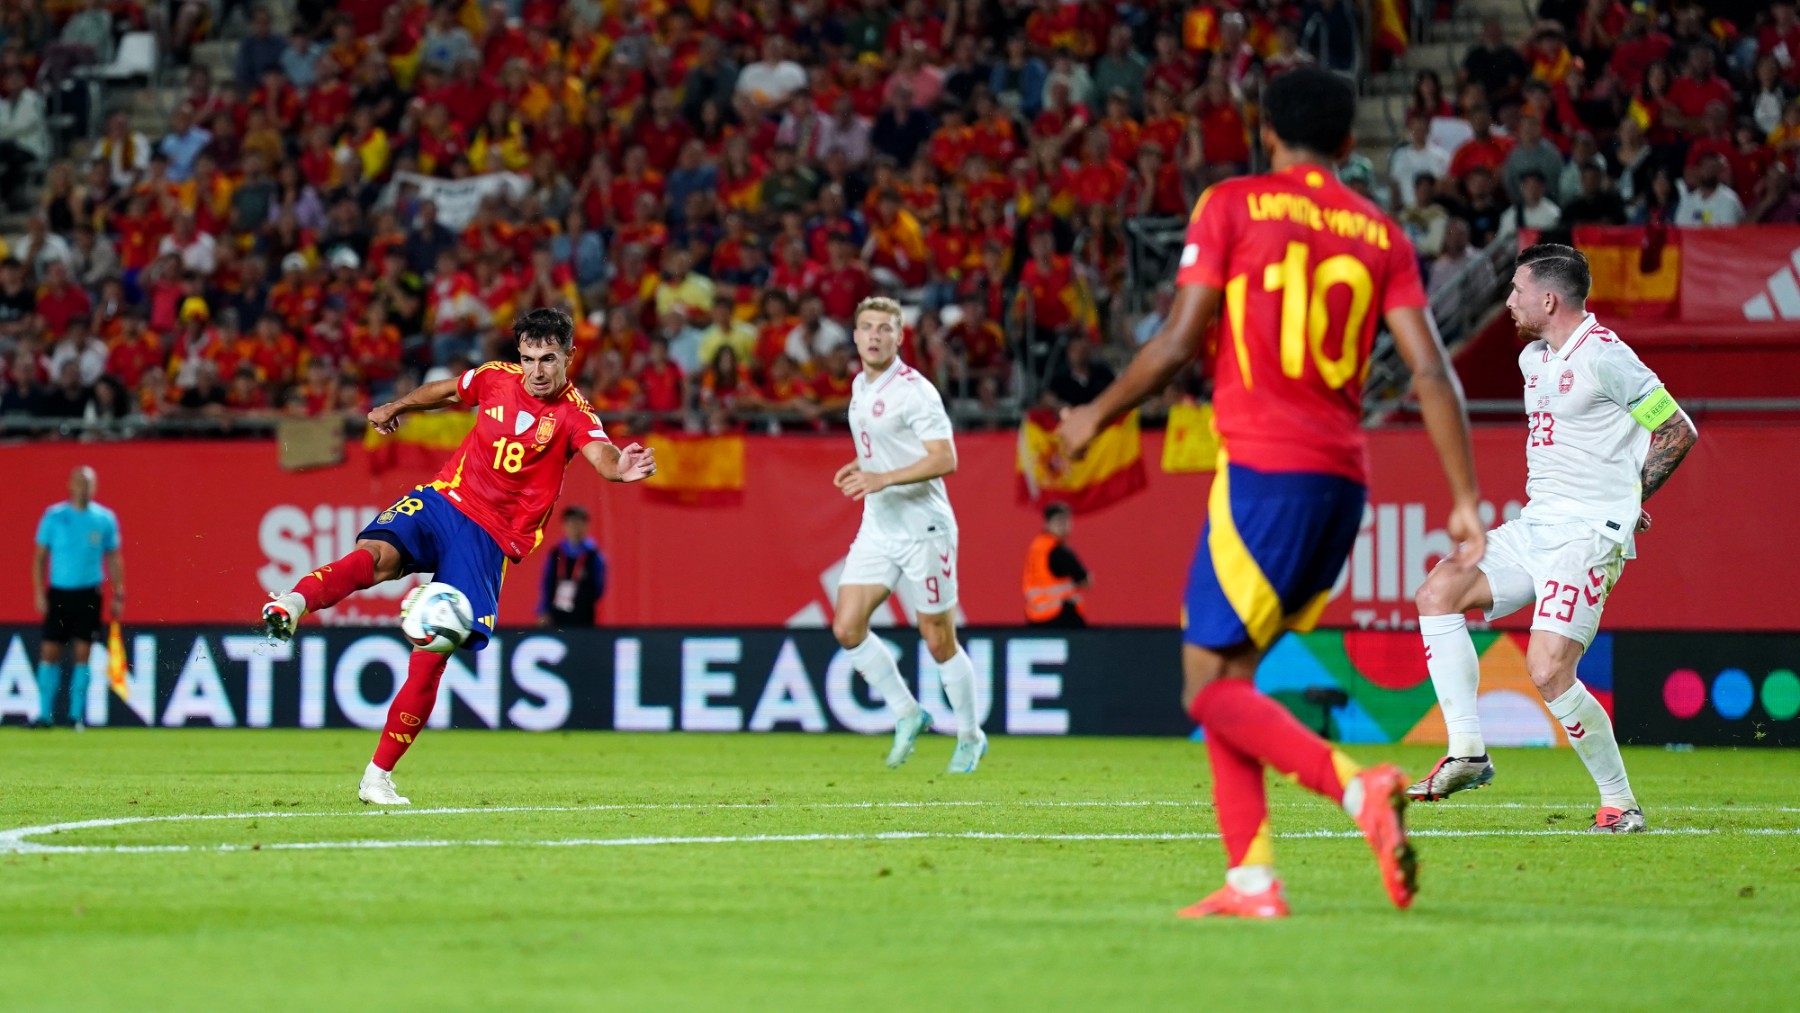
1302 268
485 508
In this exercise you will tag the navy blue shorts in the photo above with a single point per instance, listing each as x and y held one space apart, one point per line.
436 538
1274 544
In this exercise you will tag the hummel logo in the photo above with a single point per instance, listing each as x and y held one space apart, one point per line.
497 413
1781 299
1575 730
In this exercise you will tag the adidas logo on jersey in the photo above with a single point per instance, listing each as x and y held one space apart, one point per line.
497 413
1780 299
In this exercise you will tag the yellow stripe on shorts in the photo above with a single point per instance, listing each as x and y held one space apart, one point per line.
1251 595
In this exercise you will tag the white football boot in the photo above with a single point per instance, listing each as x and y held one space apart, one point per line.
377 788
968 754
906 734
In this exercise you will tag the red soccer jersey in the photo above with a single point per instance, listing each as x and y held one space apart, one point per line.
508 472
1308 268
842 290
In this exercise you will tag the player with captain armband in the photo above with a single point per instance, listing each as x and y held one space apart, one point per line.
1603 436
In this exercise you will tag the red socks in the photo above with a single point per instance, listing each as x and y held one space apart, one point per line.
336 581
1240 801
1262 729
411 706
1244 731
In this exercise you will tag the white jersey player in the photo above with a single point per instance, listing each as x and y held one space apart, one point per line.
904 448
1603 436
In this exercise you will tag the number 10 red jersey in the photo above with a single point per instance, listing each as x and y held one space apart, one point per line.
1308 267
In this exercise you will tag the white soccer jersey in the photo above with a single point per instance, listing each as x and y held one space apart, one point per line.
1584 451
890 420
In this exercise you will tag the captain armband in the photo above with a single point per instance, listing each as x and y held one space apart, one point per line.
1655 408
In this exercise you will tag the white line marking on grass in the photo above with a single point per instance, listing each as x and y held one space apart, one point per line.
892 835
17 841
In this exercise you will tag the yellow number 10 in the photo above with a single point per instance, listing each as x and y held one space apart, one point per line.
1304 316
509 455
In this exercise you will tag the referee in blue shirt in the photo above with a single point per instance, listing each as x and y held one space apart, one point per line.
75 538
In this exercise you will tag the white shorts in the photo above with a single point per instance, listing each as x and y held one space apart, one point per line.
923 570
1562 571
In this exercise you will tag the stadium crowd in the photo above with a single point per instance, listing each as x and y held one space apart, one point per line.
1606 114
369 198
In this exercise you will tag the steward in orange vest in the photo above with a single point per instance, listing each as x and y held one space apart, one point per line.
1054 577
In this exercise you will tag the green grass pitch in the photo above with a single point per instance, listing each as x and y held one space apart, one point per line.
1049 880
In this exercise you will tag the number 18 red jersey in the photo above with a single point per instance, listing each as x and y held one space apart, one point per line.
1308 267
508 472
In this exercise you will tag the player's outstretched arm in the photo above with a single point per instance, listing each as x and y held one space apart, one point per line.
633 464
423 398
1447 420
939 460
1150 370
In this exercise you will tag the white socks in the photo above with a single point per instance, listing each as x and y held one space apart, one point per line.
1590 731
1456 676
1250 878
872 659
959 689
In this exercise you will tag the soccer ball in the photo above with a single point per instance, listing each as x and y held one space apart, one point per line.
436 618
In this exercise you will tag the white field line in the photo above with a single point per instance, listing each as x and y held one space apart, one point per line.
893 835
18 840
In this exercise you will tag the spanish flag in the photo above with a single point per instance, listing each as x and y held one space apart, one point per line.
1190 444
1112 469
697 470
424 440
1627 280
1390 27
115 662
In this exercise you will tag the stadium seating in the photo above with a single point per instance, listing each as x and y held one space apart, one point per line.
245 237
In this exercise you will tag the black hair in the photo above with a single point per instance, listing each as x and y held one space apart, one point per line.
1312 109
1055 510
575 512
1560 268
546 325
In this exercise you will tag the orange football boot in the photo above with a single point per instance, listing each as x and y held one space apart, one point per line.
1383 825
1229 902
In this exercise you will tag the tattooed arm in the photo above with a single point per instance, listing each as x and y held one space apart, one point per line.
1669 443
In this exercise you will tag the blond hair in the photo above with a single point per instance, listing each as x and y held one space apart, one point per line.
879 304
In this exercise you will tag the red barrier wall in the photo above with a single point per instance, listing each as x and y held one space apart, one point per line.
1719 360
211 526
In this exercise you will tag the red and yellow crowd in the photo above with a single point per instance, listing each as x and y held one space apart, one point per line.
1604 114
368 198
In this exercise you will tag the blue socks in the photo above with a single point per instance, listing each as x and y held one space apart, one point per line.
49 680
78 694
